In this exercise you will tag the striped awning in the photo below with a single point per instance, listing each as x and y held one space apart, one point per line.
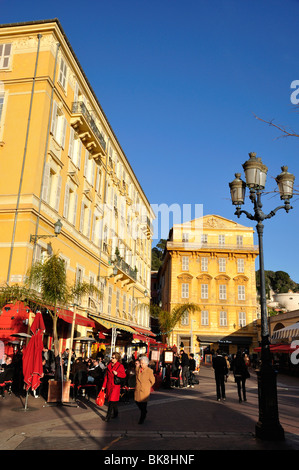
111 324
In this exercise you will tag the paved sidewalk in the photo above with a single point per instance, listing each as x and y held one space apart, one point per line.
178 419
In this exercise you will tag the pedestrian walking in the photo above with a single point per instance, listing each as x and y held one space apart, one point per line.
184 362
220 370
241 373
192 367
114 369
145 379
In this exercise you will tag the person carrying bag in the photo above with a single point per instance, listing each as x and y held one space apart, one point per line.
114 369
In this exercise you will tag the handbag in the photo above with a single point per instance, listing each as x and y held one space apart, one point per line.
100 400
119 380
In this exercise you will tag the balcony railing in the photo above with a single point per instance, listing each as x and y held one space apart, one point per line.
79 107
211 246
126 269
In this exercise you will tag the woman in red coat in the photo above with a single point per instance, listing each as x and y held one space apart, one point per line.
115 368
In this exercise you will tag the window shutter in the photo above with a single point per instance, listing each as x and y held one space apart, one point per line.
89 223
71 144
64 124
75 209
45 194
66 201
81 218
93 228
86 163
58 191
54 119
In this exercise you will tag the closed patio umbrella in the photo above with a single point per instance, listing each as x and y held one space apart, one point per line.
32 356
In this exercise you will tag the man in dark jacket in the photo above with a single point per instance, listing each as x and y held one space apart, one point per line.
184 362
220 369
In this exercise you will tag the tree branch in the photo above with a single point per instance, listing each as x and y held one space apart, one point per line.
285 132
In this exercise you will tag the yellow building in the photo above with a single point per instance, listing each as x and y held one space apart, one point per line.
210 262
61 160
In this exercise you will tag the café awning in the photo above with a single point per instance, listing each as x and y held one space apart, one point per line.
230 339
144 332
276 348
111 324
67 316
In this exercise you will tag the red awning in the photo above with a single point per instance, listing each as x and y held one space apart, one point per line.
143 338
144 332
67 315
282 348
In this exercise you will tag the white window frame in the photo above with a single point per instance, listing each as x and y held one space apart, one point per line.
204 291
242 319
185 290
204 264
204 238
223 318
241 292
205 317
239 240
222 265
221 240
240 265
185 237
185 318
185 263
5 57
222 292
110 292
62 77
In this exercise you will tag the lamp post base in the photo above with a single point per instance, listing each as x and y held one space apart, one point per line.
268 427
269 431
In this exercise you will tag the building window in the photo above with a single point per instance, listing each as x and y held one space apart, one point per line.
242 319
5 51
241 292
185 237
204 264
222 291
204 291
204 317
58 125
185 263
109 299
222 265
117 303
223 318
62 73
1 104
204 238
240 265
239 240
185 291
185 319
221 239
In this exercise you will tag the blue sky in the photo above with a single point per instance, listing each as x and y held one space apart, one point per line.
180 82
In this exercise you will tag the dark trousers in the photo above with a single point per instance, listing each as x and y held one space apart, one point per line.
142 405
220 386
185 375
112 411
241 385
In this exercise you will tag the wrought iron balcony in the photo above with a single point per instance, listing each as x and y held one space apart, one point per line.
125 268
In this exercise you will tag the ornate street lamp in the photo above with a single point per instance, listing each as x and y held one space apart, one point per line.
268 426
57 230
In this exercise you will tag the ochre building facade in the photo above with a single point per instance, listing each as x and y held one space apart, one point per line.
61 160
210 262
